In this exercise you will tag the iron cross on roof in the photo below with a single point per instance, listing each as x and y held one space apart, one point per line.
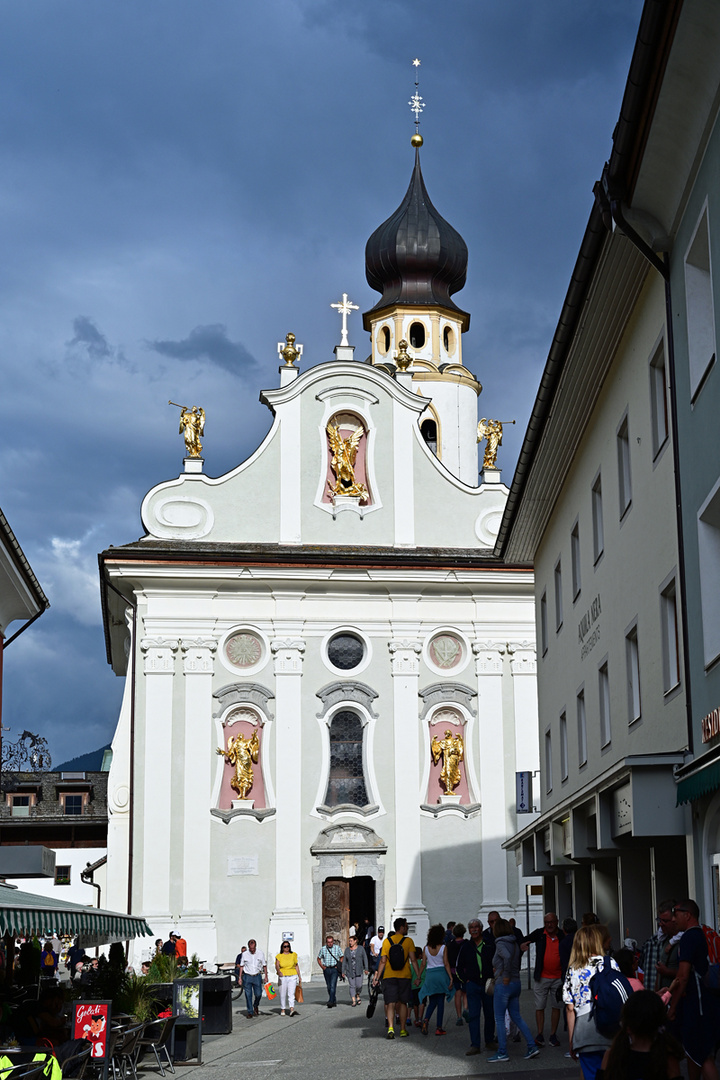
344 309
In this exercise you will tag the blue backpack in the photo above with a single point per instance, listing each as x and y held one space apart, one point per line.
609 990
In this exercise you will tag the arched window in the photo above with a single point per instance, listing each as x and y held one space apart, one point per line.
346 782
428 430
417 335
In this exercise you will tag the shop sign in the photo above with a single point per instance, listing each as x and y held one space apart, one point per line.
710 725
589 628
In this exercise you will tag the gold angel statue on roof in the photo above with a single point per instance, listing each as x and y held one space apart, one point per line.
452 751
241 753
344 454
492 430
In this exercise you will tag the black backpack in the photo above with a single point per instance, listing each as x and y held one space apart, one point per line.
396 954
609 990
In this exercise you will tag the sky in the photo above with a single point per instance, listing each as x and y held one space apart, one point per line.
182 182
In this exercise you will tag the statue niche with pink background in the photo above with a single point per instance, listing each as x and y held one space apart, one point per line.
242 782
448 777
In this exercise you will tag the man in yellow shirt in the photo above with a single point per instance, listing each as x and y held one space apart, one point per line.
397 981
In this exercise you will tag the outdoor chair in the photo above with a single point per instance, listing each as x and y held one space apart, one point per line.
30 1070
124 1052
74 1067
156 1037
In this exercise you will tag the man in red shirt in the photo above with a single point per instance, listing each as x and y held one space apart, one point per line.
547 975
180 948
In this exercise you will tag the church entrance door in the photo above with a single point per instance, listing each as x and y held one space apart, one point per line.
336 910
362 903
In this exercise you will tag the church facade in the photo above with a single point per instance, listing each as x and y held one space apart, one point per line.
330 679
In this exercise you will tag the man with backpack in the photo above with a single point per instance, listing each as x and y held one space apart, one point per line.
396 965
695 1007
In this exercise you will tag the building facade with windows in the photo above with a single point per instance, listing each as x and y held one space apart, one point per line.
613 501
330 678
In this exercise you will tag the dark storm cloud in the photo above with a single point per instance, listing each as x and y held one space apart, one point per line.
208 343
88 335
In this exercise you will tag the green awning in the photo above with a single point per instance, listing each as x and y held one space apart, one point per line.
22 913
701 783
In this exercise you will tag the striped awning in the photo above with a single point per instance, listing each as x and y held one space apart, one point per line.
23 913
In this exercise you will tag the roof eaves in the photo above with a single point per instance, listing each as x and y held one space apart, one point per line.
18 557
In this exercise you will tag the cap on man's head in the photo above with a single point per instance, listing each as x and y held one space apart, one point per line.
381 928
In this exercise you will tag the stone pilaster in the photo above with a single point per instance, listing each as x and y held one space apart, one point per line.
523 665
405 668
288 913
493 796
196 920
155 820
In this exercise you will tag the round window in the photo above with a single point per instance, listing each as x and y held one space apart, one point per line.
345 651
244 649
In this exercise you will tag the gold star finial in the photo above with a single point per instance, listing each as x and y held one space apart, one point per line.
417 105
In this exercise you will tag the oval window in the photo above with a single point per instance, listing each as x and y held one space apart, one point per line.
384 340
346 651
417 335
428 430
448 339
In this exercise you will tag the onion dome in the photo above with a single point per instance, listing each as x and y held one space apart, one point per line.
416 258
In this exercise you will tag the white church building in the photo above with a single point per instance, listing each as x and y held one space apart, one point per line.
330 679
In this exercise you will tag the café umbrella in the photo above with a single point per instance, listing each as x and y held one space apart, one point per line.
24 913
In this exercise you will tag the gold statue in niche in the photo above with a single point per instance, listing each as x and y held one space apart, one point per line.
492 430
241 753
192 426
452 751
344 454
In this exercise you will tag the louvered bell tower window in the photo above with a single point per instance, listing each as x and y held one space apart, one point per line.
346 783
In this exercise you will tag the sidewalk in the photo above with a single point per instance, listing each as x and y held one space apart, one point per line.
342 1044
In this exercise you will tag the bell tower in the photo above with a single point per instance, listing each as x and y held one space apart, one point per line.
416 260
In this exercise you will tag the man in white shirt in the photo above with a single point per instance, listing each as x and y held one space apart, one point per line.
253 969
375 947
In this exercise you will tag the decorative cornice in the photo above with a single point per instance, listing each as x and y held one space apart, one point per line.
437 809
488 657
336 692
456 693
288 654
347 808
524 660
198 655
244 694
228 815
405 656
159 655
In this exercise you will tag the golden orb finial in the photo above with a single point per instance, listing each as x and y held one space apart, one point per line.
417 140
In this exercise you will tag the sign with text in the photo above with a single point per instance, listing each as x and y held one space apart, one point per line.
91 1021
240 865
523 792
710 725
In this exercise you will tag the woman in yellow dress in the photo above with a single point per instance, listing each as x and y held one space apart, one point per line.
286 965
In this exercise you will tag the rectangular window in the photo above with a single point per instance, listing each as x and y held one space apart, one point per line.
604 695
632 658
575 559
558 596
670 636
20 805
72 804
548 761
658 400
62 875
624 481
582 729
699 306
708 527
563 747
543 623
597 519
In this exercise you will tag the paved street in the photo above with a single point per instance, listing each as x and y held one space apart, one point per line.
329 1044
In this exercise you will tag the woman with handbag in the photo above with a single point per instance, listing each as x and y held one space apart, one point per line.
354 966
286 965
506 990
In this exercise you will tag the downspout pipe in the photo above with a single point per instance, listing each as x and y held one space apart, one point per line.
613 206
131 813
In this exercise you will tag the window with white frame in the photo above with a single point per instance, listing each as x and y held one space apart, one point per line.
346 780
543 623
670 636
558 596
604 700
575 560
708 527
597 518
632 660
548 762
658 400
699 306
624 479
563 747
582 729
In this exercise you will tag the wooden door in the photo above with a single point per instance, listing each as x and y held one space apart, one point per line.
336 910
